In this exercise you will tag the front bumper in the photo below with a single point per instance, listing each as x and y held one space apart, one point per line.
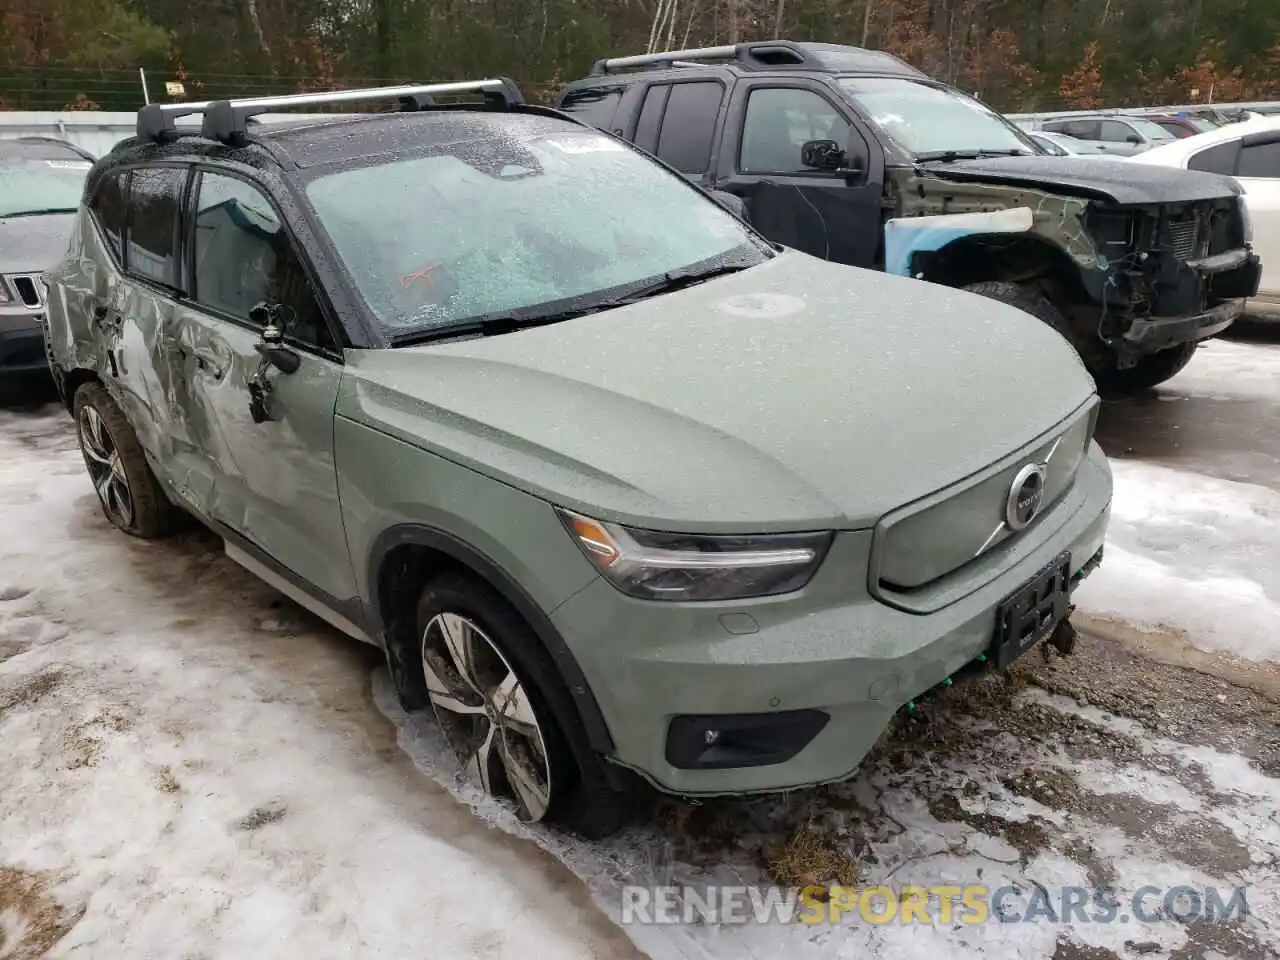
831 649
21 342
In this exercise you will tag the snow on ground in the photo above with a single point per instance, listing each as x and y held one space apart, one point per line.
195 768
1193 554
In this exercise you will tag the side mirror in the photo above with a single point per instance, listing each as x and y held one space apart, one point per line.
273 351
822 155
1134 139
731 202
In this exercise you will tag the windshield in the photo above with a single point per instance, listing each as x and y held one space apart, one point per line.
925 119
41 186
1150 129
518 227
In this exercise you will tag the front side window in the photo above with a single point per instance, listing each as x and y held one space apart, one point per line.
151 223
244 257
1113 131
32 186
779 121
518 226
933 121
1260 160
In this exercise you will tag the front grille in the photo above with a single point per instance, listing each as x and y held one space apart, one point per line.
27 289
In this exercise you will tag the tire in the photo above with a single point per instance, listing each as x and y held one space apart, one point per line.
1150 371
512 679
1027 298
131 497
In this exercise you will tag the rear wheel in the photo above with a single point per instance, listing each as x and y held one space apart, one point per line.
1148 372
504 710
128 491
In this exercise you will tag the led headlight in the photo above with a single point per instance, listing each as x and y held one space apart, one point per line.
673 566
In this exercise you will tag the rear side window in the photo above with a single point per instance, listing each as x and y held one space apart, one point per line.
687 127
151 225
593 105
1220 158
108 206
1261 160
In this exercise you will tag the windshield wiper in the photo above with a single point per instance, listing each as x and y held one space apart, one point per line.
37 213
490 326
677 280
949 155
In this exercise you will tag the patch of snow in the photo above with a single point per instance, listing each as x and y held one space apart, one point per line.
1224 370
1194 554
169 770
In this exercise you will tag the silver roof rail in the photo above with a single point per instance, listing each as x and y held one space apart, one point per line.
227 120
744 52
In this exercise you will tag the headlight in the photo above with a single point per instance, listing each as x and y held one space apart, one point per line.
1246 222
673 566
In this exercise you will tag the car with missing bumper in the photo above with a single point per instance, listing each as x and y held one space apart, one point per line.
854 156
624 492
41 180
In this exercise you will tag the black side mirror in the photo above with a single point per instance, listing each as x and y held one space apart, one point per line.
1134 139
272 349
731 202
822 155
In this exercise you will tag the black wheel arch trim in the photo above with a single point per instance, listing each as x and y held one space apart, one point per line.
584 700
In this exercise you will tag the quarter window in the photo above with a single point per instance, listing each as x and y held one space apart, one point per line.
151 223
108 208
243 257
779 121
594 105
1220 158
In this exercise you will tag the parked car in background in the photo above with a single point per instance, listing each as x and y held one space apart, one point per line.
40 185
852 155
620 487
1249 151
1119 136
1061 145
1181 125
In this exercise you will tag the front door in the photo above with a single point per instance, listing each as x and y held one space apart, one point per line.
829 215
273 482
1259 174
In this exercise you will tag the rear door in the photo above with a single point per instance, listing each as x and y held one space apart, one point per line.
678 123
823 213
273 483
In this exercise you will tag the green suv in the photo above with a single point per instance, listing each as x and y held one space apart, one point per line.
624 492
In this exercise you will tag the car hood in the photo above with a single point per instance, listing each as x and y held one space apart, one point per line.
34 244
1119 181
799 394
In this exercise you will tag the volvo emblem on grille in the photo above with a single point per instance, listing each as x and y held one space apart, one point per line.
1026 493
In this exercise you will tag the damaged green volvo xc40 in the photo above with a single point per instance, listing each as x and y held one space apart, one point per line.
626 493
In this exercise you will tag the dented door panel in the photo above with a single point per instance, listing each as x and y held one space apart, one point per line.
274 483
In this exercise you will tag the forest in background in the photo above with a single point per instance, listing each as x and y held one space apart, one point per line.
1015 54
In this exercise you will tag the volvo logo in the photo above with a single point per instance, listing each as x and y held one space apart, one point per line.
1026 494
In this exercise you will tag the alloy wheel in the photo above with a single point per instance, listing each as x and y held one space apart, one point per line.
105 469
486 714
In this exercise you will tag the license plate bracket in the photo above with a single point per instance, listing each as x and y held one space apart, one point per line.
1029 616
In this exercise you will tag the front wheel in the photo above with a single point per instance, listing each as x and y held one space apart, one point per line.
504 710
1148 372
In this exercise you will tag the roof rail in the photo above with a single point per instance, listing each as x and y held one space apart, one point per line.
757 53
228 120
